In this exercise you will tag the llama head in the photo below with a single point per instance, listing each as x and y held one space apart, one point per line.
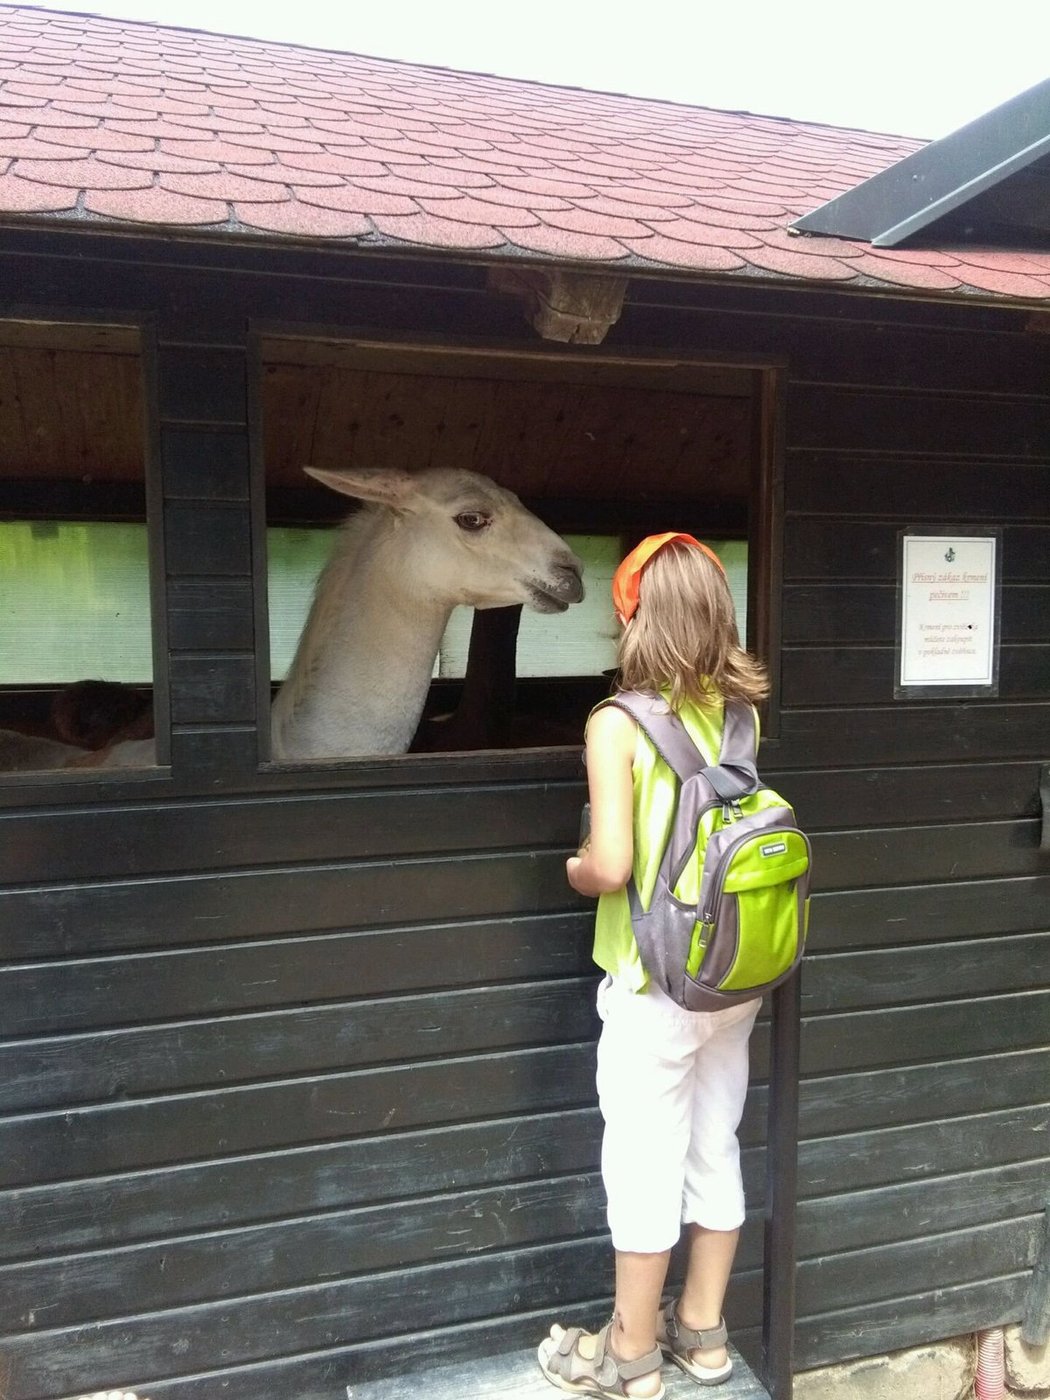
463 539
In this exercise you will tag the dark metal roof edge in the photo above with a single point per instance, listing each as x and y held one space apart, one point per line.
866 211
962 196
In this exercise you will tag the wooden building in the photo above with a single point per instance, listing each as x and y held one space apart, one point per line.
296 1060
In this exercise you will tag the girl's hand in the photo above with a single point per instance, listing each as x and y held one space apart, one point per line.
603 863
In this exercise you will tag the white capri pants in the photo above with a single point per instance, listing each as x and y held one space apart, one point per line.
671 1087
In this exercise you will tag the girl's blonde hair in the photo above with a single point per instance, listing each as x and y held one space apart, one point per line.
684 635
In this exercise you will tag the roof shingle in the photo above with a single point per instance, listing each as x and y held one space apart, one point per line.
106 121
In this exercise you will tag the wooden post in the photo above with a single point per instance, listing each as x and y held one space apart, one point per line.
778 1283
1035 1328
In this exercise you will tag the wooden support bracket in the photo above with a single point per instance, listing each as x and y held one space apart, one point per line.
573 307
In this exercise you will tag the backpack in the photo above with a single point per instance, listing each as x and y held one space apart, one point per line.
729 911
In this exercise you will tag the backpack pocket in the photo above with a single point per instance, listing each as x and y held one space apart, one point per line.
759 902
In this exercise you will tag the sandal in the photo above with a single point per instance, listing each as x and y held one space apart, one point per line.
678 1341
603 1374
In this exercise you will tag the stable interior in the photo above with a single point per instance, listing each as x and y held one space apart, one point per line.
602 448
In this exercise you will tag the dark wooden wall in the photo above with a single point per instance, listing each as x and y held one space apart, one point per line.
293 1064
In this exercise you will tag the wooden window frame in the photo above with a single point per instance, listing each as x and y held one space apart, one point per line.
764 531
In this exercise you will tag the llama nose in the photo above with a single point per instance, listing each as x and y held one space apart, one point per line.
569 574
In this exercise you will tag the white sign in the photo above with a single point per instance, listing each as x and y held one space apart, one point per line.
948 610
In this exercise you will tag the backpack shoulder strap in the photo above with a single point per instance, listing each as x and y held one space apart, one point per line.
736 774
667 733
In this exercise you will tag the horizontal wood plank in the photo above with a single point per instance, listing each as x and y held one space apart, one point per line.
298 1252
326 1314
212 538
104 917
912 732
211 614
128 1207
924 855
908 1034
131 988
199 909
866 675
855 344
514 1375
287 1043
947 1310
919 913
120 1135
966 968
314 828
874 1275
123 1063
950 425
911 1210
867 613
911 489
319 1108
859 1161
249 1329
202 384
868 1100
207 689
58 846
203 465
304 1250
821 549
908 795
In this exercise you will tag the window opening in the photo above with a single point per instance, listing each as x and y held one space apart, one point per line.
602 451
76 634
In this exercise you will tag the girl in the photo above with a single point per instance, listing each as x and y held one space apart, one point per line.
671 1082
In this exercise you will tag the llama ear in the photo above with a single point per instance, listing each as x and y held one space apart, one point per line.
385 487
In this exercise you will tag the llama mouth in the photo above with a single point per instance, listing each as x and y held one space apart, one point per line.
543 602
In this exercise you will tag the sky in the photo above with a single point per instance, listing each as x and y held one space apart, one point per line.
908 67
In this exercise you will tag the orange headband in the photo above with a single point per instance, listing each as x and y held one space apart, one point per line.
627 576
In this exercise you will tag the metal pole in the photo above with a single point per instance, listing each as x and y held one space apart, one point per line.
778 1285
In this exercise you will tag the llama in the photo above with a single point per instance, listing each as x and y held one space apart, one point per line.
422 544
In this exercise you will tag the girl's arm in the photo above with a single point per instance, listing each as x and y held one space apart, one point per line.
605 862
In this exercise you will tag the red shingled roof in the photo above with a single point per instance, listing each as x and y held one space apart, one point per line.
110 123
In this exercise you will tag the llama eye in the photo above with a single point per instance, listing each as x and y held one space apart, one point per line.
471 520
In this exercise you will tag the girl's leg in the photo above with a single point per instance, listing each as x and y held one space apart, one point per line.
639 1284
645 1076
645 1090
714 1197
703 1293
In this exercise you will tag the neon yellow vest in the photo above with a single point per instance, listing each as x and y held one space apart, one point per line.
655 789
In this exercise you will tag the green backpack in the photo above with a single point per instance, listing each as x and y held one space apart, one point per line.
728 915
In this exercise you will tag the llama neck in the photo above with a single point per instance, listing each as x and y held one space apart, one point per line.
364 662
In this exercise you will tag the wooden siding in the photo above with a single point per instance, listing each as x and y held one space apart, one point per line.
295 1063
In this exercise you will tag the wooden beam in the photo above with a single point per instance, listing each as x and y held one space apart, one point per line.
70 335
573 307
